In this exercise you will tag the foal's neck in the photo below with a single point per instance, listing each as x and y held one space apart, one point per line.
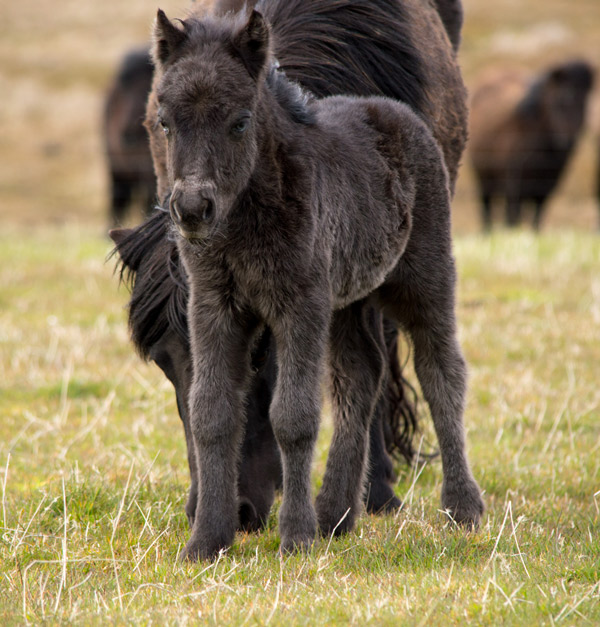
281 133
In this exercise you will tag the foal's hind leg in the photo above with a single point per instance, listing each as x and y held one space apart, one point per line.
420 295
356 371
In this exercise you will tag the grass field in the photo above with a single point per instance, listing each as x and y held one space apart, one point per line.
93 472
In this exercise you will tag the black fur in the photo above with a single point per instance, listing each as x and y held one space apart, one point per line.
157 314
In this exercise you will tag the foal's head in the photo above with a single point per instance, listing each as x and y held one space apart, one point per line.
211 76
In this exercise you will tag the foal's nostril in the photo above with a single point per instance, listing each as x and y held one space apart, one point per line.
207 208
175 211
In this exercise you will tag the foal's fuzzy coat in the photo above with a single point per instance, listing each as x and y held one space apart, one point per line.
294 214
400 51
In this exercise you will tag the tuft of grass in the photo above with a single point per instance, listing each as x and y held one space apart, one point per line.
93 471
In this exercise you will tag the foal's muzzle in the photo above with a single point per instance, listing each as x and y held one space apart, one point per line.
192 212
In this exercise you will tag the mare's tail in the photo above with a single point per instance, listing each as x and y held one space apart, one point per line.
402 423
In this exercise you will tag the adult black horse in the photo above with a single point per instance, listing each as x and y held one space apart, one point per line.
398 49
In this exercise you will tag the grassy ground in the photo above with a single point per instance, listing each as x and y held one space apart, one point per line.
93 471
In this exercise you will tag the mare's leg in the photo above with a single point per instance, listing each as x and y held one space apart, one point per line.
513 209
356 373
260 466
295 412
220 354
380 497
172 355
420 294
538 211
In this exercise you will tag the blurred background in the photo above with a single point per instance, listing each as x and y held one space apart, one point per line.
57 61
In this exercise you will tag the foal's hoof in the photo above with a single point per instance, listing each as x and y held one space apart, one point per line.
464 503
296 545
196 552
203 548
335 523
297 529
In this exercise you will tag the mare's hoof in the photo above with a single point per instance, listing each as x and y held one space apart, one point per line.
249 520
382 500
464 503
190 508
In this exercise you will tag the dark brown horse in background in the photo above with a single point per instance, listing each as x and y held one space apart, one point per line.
380 55
523 131
126 141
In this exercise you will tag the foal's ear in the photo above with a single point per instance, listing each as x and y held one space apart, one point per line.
252 43
166 38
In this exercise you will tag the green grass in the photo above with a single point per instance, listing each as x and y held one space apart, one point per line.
93 471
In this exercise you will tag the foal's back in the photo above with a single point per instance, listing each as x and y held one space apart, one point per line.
375 155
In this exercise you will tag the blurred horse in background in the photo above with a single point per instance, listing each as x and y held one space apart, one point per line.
128 154
522 133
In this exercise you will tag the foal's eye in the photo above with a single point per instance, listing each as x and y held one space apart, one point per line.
240 126
164 125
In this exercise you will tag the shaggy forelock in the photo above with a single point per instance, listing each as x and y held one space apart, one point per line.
208 68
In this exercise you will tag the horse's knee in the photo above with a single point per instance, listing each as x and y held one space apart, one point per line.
214 419
295 428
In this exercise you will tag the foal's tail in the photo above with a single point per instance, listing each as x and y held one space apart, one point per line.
402 425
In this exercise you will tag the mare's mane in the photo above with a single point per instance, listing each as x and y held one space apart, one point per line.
345 47
149 264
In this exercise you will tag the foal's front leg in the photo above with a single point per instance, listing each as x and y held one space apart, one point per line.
220 352
295 413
